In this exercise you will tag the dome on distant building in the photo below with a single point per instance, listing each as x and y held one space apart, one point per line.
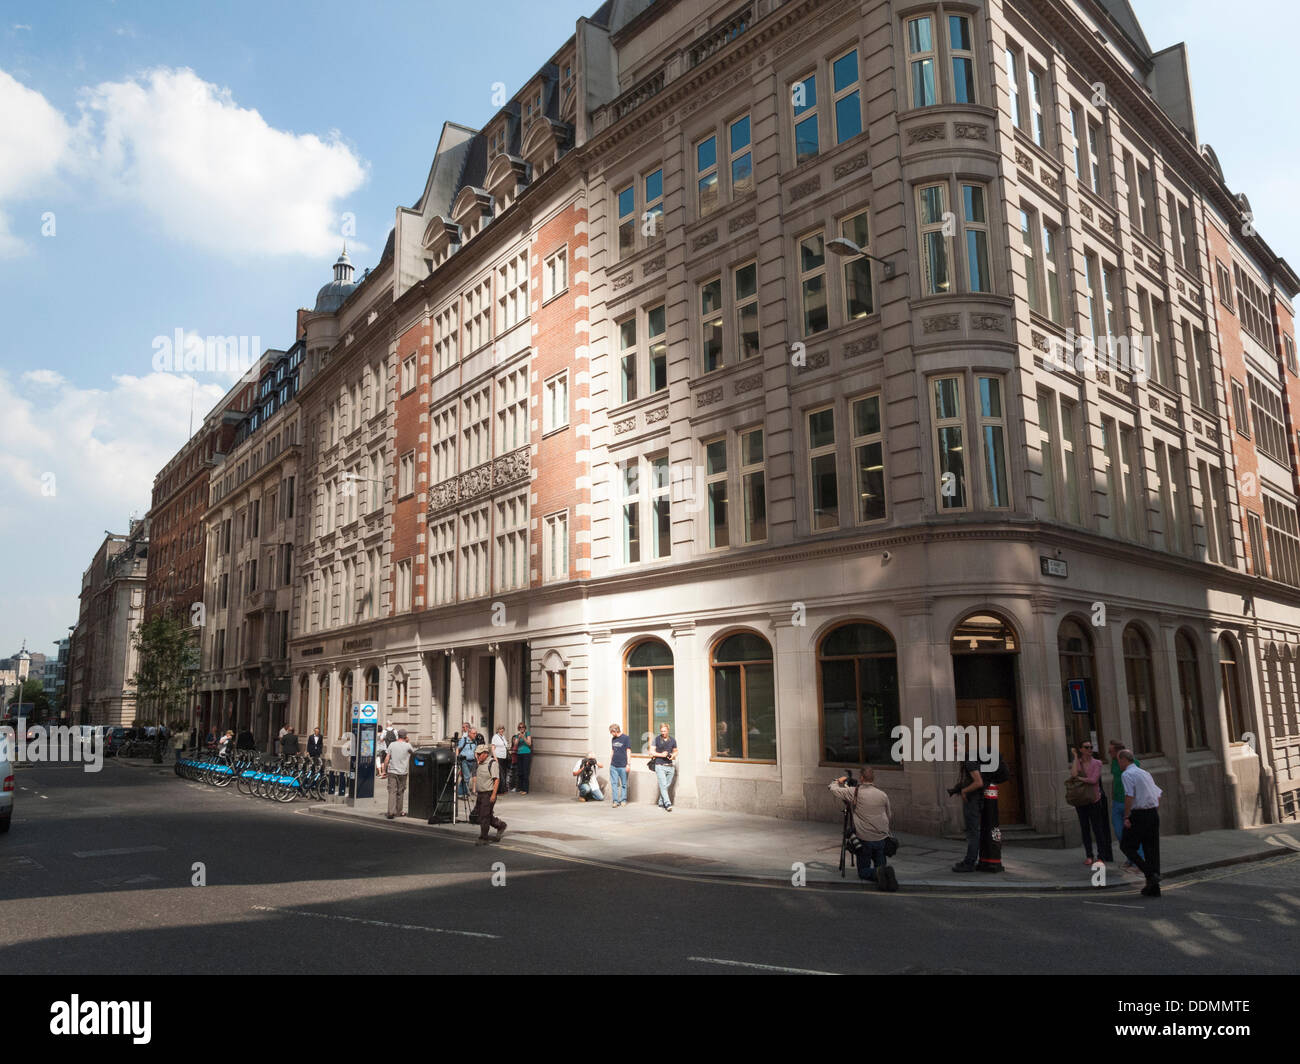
332 295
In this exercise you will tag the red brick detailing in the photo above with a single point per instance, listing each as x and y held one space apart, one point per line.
562 328
408 522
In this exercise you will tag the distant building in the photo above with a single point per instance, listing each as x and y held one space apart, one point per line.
112 607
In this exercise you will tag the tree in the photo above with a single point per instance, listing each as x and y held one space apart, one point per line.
32 693
164 649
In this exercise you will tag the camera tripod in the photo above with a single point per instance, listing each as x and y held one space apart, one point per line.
848 842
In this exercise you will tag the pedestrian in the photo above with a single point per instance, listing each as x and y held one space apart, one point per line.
1092 817
315 743
501 752
872 819
223 748
465 752
210 742
289 743
523 755
1141 822
588 782
279 739
620 745
1117 798
246 741
381 748
664 765
397 769
971 790
487 779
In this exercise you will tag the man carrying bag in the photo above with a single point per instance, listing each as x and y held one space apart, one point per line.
871 824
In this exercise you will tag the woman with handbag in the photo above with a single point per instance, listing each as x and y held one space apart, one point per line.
523 755
1083 791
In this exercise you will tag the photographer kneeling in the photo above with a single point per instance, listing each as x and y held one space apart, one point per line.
871 823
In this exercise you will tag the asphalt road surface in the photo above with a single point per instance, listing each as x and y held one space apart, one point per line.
97 874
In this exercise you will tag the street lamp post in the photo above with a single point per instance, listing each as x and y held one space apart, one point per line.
842 245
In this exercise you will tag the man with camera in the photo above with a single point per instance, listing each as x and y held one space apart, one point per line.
871 824
588 783
971 790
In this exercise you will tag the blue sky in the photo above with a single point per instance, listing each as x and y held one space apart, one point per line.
198 160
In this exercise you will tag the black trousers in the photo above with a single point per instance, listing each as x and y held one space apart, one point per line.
1093 822
1143 835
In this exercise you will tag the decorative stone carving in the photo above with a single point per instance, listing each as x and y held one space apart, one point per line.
626 425
1086 210
857 348
501 472
741 220
970 131
704 240
1153 402
1196 425
621 282
748 384
988 322
847 166
1023 158
707 398
1171 410
1137 253
1107 226
817 361
1103 377
654 416
941 323
442 496
652 266
925 134
1040 341
805 188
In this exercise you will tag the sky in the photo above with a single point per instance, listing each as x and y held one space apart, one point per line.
174 166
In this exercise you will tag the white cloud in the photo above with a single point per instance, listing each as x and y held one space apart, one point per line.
34 146
104 446
213 173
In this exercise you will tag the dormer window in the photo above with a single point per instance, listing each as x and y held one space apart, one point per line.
497 143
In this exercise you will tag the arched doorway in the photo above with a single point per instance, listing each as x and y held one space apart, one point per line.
984 649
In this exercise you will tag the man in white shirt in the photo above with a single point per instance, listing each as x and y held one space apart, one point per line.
397 767
1141 822
280 738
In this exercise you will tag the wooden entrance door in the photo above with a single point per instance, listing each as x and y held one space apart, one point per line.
999 712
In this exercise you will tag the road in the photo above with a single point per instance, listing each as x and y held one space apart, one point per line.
97 875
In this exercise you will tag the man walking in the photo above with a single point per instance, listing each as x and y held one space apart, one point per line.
1141 839
664 762
620 744
487 778
397 767
315 743
971 790
279 739
871 824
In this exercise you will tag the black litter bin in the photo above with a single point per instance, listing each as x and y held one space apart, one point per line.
420 791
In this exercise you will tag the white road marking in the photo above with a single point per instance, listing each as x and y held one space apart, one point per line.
759 967
1113 905
371 923
1225 916
118 852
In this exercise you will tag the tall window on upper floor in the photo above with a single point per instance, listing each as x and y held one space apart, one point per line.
512 542
976 227
803 101
512 410
555 402
476 427
645 509
442 449
859 298
1014 65
478 315
1151 312
823 478
1267 415
993 442
706 175
733 463
947 418
1200 373
445 338
474 553
930 50
868 459
1171 477
1037 106
555 274
848 96
1252 308
1125 519
711 324
628 361
745 295
643 354
740 157
1029 253
935 243
812 283
1059 442
1283 539
512 286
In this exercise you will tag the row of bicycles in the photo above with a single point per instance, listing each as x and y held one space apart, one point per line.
278 779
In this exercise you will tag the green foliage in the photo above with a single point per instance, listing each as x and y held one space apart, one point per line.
32 692
164 648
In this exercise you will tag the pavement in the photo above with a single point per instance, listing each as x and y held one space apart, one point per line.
710 844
